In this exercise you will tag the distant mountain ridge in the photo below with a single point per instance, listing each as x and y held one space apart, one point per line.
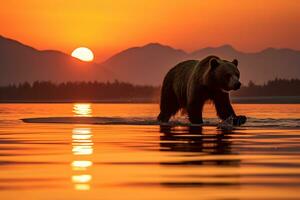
144 65
151 66
19 63
139 65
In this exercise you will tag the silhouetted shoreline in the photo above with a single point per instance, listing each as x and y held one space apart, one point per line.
236 100
275 91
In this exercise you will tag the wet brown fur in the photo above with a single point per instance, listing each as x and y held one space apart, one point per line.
191 83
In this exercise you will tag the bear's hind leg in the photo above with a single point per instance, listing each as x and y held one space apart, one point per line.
167 112
169 106
164 117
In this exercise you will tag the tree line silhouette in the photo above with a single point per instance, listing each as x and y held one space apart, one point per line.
93 91
276 87
122 91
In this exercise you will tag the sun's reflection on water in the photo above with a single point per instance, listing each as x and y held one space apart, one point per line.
82 149
82 187
82 141
81 165
84 178
82 109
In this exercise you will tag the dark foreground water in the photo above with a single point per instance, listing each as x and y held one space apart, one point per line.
129 157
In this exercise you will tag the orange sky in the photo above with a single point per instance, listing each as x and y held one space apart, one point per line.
110 26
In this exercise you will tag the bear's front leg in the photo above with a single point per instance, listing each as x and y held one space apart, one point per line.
223 105
239 120
194 111
225 110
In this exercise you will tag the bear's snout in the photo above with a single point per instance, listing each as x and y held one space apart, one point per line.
237 85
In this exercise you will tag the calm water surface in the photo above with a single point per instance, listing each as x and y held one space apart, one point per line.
82 161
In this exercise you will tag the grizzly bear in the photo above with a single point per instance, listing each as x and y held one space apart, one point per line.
191 83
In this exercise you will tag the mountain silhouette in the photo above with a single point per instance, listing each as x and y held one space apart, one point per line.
148 64
144 65
20 63
139 65
260 66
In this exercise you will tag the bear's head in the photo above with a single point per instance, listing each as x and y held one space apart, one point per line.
225 74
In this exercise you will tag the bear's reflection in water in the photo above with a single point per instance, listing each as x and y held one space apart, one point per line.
194 139
208 153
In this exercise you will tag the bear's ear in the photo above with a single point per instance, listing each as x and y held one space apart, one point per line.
214 63
235 62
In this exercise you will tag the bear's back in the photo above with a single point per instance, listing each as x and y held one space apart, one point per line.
178 77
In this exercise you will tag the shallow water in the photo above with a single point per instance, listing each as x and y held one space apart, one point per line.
260 160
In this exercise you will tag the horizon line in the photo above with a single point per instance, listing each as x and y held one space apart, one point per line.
159 44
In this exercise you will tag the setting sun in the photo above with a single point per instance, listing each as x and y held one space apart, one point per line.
83 54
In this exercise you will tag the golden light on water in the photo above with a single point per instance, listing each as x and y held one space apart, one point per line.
133 162
82 141
81 165
81 178
82 187
82 149
82 110
82 181
81 137
81 131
